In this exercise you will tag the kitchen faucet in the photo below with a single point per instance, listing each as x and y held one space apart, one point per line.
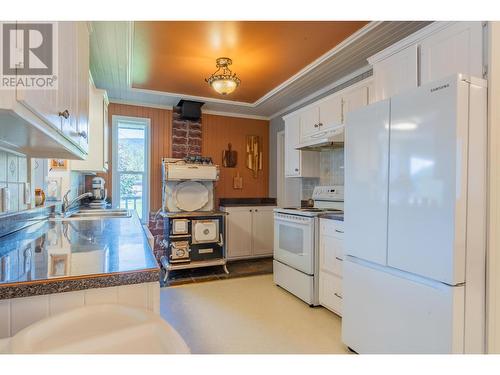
67 203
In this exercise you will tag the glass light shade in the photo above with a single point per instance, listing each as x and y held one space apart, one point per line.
224 86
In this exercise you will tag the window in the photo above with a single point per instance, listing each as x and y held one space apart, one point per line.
131 145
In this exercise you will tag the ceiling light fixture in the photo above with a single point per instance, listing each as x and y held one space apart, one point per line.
223 80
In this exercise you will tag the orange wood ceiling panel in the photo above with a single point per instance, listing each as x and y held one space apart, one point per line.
176 56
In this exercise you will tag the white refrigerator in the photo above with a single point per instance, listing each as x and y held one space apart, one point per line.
415 221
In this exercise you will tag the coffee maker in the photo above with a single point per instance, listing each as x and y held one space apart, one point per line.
99 193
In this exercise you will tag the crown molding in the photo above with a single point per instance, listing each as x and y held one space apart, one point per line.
300 103
140 104
231 114
170 108
191 97
364 30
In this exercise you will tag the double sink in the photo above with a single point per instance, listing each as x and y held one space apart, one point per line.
94 214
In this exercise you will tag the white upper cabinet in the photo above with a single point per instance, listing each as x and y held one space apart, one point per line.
97 159
83 104
396 73
309 121
292 137
330 111
434 52
456 49
51 122
298 163
353 99
317 118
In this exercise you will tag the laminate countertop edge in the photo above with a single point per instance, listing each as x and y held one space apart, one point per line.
331 217
62 285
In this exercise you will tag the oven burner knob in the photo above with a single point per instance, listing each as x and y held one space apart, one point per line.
206 232
180 253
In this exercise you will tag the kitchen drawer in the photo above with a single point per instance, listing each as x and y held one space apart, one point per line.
333 228
331 254
330 292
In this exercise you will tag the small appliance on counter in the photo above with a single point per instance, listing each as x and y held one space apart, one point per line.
193 229
296 243
99 193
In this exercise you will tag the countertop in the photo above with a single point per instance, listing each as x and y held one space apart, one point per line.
332 216
238 202
197 214
62 256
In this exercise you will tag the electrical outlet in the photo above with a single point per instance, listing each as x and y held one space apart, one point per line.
5 199
27 193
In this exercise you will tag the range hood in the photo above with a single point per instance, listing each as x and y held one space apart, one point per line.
332 138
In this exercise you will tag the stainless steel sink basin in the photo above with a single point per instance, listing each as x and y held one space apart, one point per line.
118 212
95 214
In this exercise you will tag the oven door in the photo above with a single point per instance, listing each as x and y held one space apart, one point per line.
205 231
294 241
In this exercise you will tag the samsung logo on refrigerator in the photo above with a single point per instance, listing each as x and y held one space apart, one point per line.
440 87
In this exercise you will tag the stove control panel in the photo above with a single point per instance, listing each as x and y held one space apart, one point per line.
329 193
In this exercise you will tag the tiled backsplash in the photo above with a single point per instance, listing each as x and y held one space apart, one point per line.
332 167
331 171
14 175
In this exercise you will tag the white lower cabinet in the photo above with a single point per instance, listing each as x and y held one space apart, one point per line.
249 231
18 313
331 258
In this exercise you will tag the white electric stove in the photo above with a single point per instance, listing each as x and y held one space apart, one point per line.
296 242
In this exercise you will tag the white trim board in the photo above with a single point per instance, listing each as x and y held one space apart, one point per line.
140 104
493 223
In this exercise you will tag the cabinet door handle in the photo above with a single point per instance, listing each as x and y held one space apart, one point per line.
251 210
256 210
320 124
83 134
296 169
64 114
339 231
342 102
337 295
340 259
316 125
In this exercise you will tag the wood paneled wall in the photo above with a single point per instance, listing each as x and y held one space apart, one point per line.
217 132
161 135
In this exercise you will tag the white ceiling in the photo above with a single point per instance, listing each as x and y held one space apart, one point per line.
110 47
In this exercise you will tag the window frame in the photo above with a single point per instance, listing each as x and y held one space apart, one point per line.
115 173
